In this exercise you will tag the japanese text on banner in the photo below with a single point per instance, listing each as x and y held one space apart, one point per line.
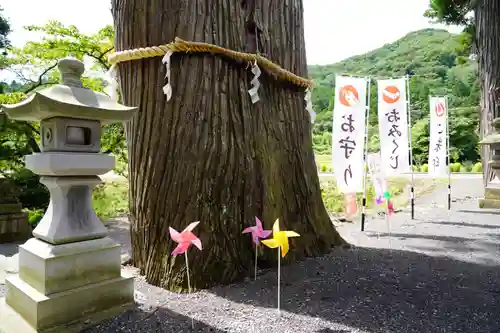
393 126
349 124
438 148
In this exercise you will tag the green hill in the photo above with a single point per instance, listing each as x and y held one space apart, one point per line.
438 65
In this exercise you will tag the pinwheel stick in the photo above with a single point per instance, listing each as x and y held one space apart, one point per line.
187 271
279 277
189 283
387 220
255 268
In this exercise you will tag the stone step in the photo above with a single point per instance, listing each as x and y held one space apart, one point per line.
52 268
28 311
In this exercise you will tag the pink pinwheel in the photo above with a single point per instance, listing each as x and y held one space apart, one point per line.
185 238
257 231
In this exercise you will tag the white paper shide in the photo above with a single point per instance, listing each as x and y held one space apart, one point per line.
349 125
438 147
393 126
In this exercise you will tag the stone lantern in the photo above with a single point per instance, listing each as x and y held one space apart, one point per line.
70 272
492 190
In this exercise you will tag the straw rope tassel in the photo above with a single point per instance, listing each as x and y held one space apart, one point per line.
111 88
309 107
254 91
167 88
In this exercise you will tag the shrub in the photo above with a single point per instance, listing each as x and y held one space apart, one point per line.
323 168
478 167
455 167
34 216
334 202
463 168
424 168
31 193
467 165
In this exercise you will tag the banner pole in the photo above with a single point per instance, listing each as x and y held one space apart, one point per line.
365 164
448 151
412 189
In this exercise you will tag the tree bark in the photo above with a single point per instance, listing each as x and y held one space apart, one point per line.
209 154
487 14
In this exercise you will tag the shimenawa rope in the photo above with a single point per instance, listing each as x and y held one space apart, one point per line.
180 45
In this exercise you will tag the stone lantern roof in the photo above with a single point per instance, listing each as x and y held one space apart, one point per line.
69 99
493 137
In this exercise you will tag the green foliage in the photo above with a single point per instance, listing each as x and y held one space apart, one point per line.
450 11
34 216
438 64
110 199
4 41
35 64
455 12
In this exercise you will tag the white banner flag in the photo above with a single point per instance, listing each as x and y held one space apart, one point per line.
438 133
348 137
393 125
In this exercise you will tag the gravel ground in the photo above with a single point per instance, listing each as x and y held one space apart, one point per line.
438 273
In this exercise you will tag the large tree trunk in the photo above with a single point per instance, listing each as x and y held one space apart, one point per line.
487 14
209 154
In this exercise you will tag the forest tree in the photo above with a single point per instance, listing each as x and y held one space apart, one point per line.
209 154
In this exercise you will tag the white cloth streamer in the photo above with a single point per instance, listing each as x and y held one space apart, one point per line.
253 92
167 88
309 106
111 88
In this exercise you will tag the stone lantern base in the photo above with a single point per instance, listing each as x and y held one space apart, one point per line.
70 274
491 198
64 288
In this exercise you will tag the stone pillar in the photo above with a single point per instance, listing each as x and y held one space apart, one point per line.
14 226
492 190
70 272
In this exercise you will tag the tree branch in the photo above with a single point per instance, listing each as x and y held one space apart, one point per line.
40 78
100 58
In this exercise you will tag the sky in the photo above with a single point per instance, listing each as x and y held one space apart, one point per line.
334 29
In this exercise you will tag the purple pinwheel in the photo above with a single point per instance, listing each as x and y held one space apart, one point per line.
257 231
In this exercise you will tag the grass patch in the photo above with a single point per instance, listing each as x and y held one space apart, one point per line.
324 161
110 199
334 201
398 187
